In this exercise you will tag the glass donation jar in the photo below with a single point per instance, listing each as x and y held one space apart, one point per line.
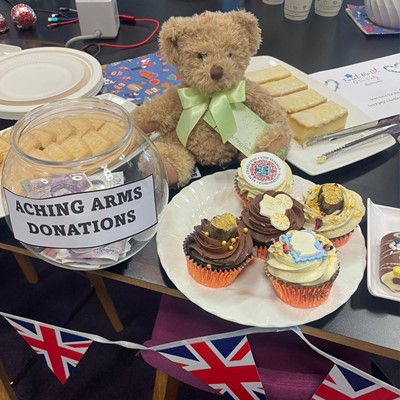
82 187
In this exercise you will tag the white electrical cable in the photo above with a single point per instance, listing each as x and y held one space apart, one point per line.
95 35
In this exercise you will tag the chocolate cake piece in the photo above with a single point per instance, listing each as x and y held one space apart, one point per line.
389 261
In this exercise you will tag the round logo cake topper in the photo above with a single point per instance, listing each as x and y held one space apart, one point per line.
264 171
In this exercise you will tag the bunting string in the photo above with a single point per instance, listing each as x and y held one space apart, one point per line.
344 364
94 338
63 349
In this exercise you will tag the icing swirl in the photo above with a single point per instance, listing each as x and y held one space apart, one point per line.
260 227
206 250
338 223
302 257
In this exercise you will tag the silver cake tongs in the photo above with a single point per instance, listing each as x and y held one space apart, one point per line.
371 125
393 130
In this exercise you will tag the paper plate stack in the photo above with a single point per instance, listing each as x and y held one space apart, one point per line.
32 77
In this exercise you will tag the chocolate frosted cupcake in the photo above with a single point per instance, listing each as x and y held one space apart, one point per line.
270 215
302 267
218 250
333 211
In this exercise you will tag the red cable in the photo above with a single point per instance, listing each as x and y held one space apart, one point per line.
54 24
123 17
131 46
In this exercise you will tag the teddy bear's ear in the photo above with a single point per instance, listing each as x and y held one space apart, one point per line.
249 24
170 32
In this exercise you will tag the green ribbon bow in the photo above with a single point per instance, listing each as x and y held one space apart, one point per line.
216 108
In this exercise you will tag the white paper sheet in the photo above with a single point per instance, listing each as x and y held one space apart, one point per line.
373 86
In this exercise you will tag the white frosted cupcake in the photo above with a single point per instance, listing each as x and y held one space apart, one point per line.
302 267
262 172
333 211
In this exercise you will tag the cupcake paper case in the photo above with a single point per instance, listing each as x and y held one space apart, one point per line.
302 267
218 250
268 216
333 211
261 172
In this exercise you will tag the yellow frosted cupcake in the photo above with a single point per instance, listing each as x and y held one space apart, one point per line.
261 172
333 211
218 250
302 267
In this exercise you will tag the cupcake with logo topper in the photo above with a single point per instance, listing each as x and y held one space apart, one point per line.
261 172
270 215
302 267
218 250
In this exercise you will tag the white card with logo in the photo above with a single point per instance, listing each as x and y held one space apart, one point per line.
372 86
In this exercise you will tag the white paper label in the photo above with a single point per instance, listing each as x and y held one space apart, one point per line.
86 219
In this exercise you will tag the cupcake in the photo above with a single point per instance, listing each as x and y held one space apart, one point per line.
218 250
302 267
333 211
261 172
268 216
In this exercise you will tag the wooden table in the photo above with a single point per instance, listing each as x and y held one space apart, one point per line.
364 322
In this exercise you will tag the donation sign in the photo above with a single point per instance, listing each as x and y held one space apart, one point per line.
86 219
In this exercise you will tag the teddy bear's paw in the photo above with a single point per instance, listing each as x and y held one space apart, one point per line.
178 162
279 146
276 140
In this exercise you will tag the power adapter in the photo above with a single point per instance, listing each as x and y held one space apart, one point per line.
98 16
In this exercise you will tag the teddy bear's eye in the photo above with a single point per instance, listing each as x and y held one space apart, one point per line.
230 55
201 56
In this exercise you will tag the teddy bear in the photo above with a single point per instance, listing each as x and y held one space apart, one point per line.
211 52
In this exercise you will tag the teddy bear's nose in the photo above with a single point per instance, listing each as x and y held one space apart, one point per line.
216 72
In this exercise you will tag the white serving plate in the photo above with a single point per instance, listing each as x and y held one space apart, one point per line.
6 49
250 299
306 159
380 220
32 77
88 86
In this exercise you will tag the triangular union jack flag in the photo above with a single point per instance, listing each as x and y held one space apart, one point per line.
61 349
227 365
343 384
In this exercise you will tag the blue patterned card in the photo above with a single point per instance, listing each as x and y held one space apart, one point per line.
359 16
139 79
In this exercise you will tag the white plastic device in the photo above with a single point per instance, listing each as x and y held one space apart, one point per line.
98 15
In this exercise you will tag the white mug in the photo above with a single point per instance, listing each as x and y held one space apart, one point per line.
328 8
385 13
297 10
272 2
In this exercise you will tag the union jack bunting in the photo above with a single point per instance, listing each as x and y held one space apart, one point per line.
343 384
227 365
61 350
